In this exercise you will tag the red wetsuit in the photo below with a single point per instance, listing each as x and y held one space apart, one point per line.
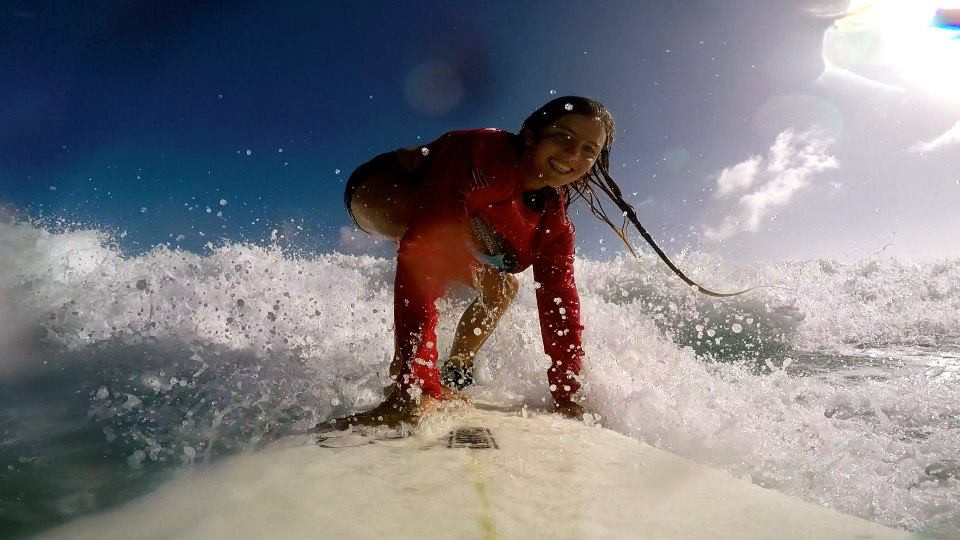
476 174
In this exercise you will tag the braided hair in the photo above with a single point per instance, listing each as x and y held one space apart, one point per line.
598 179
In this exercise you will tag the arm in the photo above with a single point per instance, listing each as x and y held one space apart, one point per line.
559 307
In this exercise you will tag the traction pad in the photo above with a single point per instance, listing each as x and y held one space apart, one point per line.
471 437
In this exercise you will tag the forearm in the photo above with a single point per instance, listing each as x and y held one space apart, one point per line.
559 306
562 343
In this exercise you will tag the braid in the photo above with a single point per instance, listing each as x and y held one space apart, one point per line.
603 182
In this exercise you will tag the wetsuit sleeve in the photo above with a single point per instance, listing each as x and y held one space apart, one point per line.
559 306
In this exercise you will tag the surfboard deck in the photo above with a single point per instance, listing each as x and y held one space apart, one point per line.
469 474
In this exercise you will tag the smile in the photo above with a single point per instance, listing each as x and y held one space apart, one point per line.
559 167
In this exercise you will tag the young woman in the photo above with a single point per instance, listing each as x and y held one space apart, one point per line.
476 207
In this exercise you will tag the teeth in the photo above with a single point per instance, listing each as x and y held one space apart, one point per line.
559 167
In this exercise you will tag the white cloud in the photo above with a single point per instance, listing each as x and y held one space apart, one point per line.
952 136
787 168
740 176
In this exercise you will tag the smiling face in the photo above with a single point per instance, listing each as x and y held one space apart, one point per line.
562 152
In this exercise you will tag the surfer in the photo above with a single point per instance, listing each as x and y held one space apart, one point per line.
476 207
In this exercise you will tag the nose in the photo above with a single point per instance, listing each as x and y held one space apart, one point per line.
571 151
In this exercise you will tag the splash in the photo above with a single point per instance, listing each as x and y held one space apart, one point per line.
839 386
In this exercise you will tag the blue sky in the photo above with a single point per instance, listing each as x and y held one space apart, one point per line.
136 117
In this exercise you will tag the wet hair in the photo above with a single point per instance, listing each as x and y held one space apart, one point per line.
599 175
598 179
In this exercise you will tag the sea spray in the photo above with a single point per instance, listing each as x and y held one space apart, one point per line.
838 385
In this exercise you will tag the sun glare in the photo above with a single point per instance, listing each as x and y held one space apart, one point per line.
905 44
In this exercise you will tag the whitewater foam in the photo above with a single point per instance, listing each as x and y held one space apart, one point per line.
184 356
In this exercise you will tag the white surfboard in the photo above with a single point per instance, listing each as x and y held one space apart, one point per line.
472 474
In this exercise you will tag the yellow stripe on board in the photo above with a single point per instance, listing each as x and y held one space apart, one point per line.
486 510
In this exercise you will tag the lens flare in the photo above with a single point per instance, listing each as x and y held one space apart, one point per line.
905 45
947 18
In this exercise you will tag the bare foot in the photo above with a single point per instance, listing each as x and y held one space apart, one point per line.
392 412
400 408
449 394
569 409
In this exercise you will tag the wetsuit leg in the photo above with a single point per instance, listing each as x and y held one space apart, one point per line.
416 289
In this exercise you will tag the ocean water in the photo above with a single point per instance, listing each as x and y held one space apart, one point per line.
838 383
